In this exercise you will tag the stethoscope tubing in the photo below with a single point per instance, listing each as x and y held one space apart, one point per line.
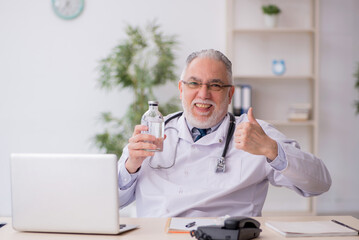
230 133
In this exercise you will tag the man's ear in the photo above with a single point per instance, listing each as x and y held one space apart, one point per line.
180 88
230 94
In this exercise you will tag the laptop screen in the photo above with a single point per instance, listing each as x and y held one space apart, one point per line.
75 193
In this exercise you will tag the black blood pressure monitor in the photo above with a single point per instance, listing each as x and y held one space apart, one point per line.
235 228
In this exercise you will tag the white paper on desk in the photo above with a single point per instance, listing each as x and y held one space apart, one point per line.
180 223
312 228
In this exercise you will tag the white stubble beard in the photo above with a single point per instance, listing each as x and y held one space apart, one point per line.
217 114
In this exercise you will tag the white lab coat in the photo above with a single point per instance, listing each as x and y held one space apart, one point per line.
191 188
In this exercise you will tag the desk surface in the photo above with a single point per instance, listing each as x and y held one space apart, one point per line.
154 228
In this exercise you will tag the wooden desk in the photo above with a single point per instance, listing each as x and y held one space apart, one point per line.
154 228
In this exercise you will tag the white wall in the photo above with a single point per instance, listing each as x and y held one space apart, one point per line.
338 125
49 100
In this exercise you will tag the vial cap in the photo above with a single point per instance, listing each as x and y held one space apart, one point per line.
153 103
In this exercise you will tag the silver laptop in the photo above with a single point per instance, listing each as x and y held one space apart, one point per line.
72 193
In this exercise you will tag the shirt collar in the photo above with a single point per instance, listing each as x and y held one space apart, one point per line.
194 133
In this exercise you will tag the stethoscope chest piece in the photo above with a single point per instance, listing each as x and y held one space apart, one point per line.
221 162
221 165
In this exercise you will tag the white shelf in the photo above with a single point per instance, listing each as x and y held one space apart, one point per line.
274 30
285 123
252 49
273 77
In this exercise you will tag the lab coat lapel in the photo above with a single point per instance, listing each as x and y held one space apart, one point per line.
182 127
212 138
218 136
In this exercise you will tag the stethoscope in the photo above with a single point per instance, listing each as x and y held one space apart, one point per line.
221 161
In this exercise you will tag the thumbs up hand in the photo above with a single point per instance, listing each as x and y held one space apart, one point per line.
250 137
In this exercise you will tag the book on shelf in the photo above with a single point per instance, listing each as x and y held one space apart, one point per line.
242 99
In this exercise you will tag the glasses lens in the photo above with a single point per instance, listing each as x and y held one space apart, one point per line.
193 85
215 87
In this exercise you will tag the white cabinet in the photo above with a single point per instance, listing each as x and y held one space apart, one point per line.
252 47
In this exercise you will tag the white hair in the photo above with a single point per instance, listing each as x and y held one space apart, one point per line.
213 54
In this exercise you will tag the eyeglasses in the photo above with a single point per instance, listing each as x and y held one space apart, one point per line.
210 86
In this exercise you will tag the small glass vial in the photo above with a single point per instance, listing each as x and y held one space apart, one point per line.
153 119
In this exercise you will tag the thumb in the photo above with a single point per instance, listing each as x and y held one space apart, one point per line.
251 117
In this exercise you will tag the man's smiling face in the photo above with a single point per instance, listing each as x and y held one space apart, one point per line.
204 108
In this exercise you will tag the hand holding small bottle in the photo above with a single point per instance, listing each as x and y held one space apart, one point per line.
153 119
147 138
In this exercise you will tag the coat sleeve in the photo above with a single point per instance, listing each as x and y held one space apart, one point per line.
126 181
305 173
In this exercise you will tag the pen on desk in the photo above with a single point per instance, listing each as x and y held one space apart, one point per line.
2 224
191 224
340 223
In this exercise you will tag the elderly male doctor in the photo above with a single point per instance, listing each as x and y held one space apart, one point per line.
188 180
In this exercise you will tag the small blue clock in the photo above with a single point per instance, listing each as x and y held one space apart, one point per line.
278 67
68 9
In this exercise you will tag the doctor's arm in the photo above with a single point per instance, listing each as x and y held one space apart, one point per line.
303 172
130 162
126 181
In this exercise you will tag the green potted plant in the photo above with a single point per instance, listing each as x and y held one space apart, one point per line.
145 59
271 13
